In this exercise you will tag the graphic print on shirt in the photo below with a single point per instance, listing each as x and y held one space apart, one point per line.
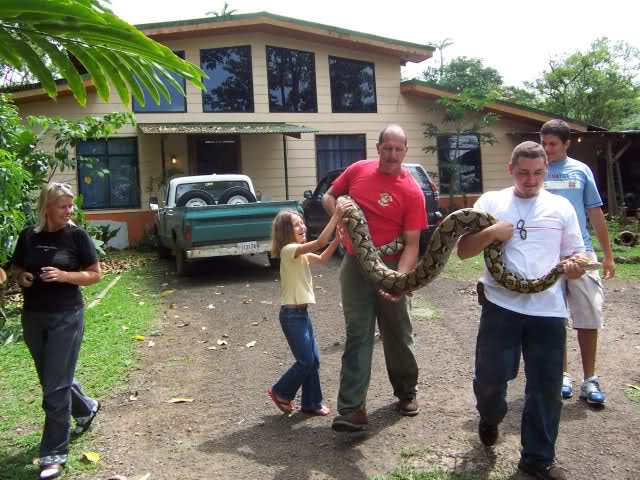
385 199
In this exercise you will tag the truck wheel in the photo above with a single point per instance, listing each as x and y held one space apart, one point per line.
236 195
182 266
195 198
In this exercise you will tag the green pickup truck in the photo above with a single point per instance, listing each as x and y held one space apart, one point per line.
207 216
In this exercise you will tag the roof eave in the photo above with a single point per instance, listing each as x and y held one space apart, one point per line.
269 23
413 87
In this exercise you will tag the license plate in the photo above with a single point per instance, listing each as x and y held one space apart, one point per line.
248 247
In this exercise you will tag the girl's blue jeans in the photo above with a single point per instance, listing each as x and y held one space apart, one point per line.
298 330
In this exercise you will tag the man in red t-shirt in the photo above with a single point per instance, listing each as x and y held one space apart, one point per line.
393 205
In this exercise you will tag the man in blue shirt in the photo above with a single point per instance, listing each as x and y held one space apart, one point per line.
574 180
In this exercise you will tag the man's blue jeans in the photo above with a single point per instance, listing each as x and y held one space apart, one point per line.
502 337
297 328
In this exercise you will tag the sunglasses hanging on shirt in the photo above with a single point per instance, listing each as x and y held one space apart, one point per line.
521 229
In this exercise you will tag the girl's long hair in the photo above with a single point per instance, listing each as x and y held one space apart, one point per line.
282 231
50 193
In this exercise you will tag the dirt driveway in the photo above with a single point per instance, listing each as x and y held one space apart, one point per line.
232 431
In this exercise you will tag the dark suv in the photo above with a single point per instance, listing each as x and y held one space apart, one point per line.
316 218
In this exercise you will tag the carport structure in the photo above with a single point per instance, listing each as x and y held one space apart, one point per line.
215 147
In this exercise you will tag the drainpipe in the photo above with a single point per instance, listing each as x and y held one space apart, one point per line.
286 168
164 166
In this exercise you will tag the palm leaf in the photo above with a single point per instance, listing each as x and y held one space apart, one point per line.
94 70
110 49
128 75
144 77
65 66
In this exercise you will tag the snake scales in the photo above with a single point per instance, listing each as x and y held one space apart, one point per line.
440 246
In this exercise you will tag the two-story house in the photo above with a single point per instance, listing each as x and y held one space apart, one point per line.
285 102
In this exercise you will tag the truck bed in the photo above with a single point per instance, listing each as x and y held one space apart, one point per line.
221 224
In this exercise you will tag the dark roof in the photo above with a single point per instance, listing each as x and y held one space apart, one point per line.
33 86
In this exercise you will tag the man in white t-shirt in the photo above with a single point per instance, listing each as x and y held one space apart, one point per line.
539 230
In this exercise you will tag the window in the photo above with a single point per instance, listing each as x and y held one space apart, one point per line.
353 86
229 87
292 80
178 102
215 189
338 151
459 163
120 188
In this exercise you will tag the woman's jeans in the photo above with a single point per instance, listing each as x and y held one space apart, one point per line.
54 342
297 328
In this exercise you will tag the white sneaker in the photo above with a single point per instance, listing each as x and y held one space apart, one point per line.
567 386
590 391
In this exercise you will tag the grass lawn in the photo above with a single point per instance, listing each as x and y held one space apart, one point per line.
471 269
624 271
633 393
409 473
108 353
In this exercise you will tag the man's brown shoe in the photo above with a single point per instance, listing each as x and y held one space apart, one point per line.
409 407
543 471
354 421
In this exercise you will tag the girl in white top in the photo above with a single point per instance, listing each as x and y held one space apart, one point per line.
289 243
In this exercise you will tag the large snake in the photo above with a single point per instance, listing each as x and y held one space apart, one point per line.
440 246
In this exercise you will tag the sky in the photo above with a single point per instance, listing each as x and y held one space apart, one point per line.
515 37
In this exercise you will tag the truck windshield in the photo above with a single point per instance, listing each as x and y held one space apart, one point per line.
215 189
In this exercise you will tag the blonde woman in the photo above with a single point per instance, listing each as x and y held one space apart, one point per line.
51 261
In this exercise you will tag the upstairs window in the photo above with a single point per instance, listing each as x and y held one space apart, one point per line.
353 86
292 80
229 87
178 102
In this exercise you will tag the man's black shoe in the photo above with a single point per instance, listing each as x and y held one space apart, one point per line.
488 434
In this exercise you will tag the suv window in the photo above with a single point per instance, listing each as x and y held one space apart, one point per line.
420 177
326 182
215 189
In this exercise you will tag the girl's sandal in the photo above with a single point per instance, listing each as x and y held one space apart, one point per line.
323 411
48 472
286 406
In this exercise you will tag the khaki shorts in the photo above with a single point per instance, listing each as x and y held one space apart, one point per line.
585 298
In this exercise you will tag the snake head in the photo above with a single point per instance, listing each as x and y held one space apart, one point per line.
583 262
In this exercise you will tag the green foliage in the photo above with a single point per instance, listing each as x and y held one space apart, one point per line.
519 96
225 12
464 114
68 134
632 122
24 167
79 35
599 86
465 73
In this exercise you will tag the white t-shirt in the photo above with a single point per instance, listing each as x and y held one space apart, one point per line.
552 232
296 284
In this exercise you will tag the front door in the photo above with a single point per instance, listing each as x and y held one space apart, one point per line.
218 154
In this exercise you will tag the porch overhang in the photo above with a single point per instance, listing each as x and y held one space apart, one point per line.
226 128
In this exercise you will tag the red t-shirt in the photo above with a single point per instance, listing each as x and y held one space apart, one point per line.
392 204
